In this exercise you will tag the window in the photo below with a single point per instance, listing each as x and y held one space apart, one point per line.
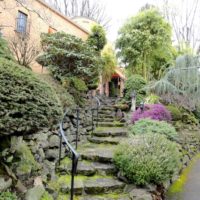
22 22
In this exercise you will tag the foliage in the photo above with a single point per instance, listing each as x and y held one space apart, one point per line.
149 126
97 38
135 83
176 112
148 158
68 56
7 196
145 44
66 99
46 196
26 103
152 99
4 50
109 62
181 83
152 111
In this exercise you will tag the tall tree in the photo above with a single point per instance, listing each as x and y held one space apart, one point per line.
109 62
97 38
184 17
144 43
86 8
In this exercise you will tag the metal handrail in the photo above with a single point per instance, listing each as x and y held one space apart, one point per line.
75 155
98 104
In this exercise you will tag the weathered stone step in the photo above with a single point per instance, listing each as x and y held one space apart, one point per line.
110 131
105 140
91 185
109 112
106 116
111 196
105 197
110 124
102 119
110 108
100 153
87 168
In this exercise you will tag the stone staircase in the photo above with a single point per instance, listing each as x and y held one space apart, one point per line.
96 174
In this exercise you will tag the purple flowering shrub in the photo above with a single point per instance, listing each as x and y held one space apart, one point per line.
152 111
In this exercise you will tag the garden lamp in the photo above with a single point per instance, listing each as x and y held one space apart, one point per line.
142 106
133 100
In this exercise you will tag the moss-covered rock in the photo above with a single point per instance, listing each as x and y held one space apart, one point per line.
24 163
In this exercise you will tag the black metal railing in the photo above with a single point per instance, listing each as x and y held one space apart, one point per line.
98 104
74 153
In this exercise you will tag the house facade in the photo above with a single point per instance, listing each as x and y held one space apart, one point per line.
33 17
115 86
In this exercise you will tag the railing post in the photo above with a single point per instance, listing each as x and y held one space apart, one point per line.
60 148
92 120
77 126
72 177
97 114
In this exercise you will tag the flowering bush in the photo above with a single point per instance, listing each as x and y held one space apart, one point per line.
152 111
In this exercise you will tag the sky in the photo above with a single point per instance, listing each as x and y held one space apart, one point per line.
119 11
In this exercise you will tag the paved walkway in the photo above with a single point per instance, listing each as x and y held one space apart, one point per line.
191 190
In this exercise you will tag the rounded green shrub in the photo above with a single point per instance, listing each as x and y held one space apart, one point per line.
7 196
149 126
175 112
4 50
150 158
27 104
135 83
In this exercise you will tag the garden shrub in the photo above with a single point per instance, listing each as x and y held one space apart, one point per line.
152 111
135 83
4 50
68 56
66 99
7 196
150 158
27 104
175 112
149 126
152 99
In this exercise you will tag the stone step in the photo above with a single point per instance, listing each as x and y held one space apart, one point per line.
87 168
106 116
110 124
110 131
105 140
100 153
110 108
102 119
111 196
109 112
91 185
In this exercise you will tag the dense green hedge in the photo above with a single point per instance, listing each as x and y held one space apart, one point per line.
149 158
149 126
4 50
26 103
